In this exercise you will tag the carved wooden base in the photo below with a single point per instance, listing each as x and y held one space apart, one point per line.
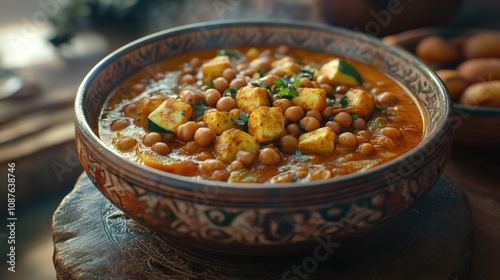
95 240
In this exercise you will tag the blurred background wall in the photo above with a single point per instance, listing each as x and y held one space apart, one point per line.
47 47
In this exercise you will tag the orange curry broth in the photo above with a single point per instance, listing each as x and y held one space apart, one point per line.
301 167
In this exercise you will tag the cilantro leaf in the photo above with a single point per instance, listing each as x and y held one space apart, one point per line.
230 91
342 101
230 53
243 120
305 74
209 84
301 156
385 111
200 109
354 116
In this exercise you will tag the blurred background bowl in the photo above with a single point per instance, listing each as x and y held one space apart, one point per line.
474 127
256 219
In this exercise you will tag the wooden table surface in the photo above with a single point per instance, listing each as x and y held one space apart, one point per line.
477 172
51 142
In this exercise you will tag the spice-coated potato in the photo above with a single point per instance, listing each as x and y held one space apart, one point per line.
480 69
483 44
453 81
435 49
485 94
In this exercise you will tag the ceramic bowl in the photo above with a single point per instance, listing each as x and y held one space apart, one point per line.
259 219
475 127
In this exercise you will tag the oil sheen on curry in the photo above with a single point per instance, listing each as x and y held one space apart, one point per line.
261 115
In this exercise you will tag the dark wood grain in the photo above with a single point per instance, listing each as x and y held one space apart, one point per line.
93 239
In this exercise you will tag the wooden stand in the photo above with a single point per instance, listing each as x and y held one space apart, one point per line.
95 240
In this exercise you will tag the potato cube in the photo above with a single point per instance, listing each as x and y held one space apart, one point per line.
341 72
360 102
214 67
219 121
233 140
310 98
169 116
250 98
266 124
321 141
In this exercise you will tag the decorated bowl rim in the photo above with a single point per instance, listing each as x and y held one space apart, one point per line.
187 183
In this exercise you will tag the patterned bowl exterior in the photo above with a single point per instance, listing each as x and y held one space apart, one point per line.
263 218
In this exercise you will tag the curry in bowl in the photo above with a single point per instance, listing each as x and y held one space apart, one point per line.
261 115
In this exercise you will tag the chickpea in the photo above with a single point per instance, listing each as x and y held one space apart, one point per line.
238 83
344 119
289 143
323 80
204 156
310 123
278 72
361 139
293 129
283 49
210 165
327 112
335 126
140 87
341 89
270 79
221 84
189 97
191 148
130 110
269 156
248 72
226 103
151 138
359 123
189 70
305 82
261 63
236 165
387 98
195 62
283 103
348 139
188 79
119 124
220 175
242 66
315 84
201 123
212 96
366 149
245 157
321 175
391 132
365 134
294 113
161 148
229 74
327 88
185 132
315 114
204 136
126 143
169 137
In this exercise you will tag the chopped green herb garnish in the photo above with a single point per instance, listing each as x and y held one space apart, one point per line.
243 120
200 109
209 84
354 116
305 74
330 102
260 74
385 110
230 53
342 101
230 91
297 83
255 84
301 156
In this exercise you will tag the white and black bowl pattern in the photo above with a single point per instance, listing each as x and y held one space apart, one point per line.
263 218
